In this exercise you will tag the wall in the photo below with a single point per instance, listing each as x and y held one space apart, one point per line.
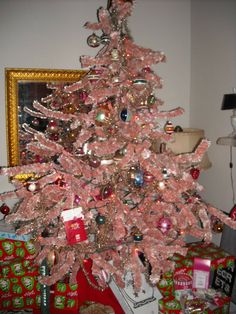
50 34
213 74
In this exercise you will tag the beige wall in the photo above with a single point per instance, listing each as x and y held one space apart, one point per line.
213 74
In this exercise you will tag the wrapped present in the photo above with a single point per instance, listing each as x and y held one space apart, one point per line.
21 292
16 250
64 296
206 302
169 305
222 267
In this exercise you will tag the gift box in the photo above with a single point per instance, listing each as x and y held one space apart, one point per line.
19 287
20 291
14 249
222 267
216 303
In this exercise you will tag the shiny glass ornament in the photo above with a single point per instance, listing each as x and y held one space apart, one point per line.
138 237
148 177
83 95
115 54
195 172
151 99
169 128
94 162
93 40
52 126
105 39
125 115
4 209
32 185
106 191
164 224
102 116
136 176
100 219
77 200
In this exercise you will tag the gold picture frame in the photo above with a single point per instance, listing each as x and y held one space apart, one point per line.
13 78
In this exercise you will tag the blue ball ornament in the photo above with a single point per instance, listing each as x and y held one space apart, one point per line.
139 178
125 115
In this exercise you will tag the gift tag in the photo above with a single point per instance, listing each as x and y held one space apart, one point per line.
74 225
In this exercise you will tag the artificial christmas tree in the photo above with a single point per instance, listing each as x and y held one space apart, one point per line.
102 185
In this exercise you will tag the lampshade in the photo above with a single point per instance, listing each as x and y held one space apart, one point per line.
229 102
186 142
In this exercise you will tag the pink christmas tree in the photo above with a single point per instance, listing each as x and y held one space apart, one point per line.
104 186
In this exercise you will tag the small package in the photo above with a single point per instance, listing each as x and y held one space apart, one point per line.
201 273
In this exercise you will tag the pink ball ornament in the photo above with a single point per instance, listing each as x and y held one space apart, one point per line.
164 224
83 95
77 200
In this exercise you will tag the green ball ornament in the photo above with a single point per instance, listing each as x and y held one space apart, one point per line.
138 237
100 219
151 100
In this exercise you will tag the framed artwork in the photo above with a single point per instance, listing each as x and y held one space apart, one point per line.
23 86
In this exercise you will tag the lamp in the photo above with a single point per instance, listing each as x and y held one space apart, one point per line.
229 103
186 142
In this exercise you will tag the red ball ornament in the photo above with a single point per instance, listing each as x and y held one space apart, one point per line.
94 162
4 209
195 172
148 177
164 224
106 192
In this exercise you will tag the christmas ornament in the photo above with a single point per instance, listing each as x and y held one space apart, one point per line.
100 219
93 75
136 176
195 172
232 214
165 174
4 209
169 128
51 258
103 115
83 95
138 237
217 225
115 54
32 185
54 137
105 39
148 177
106 191
52 126
60 182
164 224
94 162
125 115
120 153
139 81
77 199
69 109
151 100
93 40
